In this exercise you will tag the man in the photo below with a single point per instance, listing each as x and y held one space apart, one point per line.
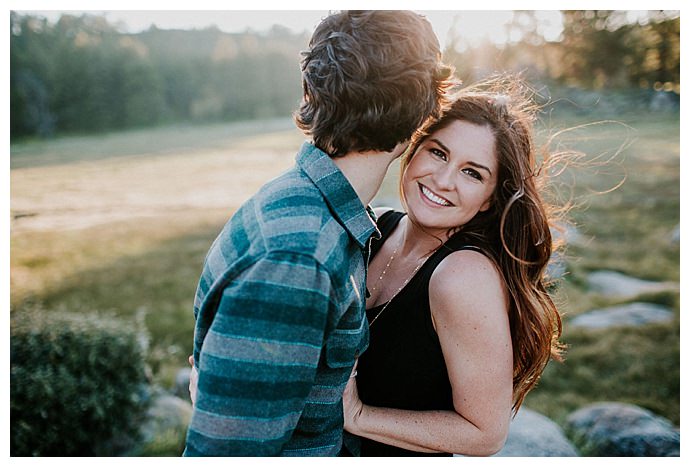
280 303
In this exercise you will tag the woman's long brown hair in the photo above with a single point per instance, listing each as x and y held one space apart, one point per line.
515 230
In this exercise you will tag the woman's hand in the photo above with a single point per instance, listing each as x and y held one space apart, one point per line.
193 381
352 405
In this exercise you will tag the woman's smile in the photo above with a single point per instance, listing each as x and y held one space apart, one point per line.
432 197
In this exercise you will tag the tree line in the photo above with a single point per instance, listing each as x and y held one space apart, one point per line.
597 50
80 74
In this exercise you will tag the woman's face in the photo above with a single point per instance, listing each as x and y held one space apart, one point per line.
451 177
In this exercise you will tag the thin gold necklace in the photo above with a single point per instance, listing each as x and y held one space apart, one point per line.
376 284
420 263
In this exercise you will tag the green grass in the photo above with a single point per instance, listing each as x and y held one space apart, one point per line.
627 230
633 365
121 223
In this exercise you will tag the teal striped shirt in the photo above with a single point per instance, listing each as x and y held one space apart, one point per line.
280 317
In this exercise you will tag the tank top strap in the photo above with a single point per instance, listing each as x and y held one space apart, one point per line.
455 243
386 223
446 250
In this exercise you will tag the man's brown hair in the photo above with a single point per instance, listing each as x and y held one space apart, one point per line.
370 79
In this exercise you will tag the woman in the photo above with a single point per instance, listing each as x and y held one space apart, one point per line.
461 324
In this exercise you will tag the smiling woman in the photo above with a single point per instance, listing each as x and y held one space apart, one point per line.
461 325
451 178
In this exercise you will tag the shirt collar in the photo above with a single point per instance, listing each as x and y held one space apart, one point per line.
338 193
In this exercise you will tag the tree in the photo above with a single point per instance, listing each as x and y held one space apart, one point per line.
81 74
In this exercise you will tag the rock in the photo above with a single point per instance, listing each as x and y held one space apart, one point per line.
165 425
615 284
568 234
663 102
622 430
565 234
675 235
556 267
181 388
169 412
534 435
630 314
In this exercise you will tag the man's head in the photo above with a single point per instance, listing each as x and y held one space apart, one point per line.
370 79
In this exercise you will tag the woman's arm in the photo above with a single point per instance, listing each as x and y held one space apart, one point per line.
469 308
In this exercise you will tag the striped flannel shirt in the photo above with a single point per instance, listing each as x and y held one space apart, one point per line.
280 317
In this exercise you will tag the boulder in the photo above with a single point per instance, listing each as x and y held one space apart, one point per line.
622 430
663 101
181 388
568 234
630 314
534 435
164 427
615 284
557 267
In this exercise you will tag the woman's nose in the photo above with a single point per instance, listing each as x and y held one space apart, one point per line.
444 177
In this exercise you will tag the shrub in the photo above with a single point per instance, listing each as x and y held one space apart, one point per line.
77 384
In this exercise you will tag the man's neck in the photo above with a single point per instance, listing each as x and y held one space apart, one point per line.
365 170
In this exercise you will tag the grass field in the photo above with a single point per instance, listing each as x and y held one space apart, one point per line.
121 223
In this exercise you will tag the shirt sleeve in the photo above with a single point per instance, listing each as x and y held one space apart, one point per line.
258 361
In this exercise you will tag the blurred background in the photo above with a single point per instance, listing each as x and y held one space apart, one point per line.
238 65
135 135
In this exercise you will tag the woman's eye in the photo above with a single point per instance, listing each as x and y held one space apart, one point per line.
473 173
438 153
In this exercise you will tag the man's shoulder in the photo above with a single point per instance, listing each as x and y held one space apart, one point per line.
292 190
290 214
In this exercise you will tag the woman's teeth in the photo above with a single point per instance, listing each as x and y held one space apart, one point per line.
433 198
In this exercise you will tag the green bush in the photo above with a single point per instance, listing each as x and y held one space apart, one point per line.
78 384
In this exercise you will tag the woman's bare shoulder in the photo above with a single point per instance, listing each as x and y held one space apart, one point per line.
468 264
465 280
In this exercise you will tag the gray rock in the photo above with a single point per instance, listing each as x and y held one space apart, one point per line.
569 234
630 314
622 430
615 284
534 435
181 388
167 418
663 102
556 267
566 234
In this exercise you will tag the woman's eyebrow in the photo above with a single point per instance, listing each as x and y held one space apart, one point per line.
443 146
479 166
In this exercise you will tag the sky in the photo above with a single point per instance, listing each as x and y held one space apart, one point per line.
473 25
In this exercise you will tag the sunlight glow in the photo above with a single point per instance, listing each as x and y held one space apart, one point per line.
470 26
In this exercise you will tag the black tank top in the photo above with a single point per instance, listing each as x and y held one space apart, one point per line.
404 367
